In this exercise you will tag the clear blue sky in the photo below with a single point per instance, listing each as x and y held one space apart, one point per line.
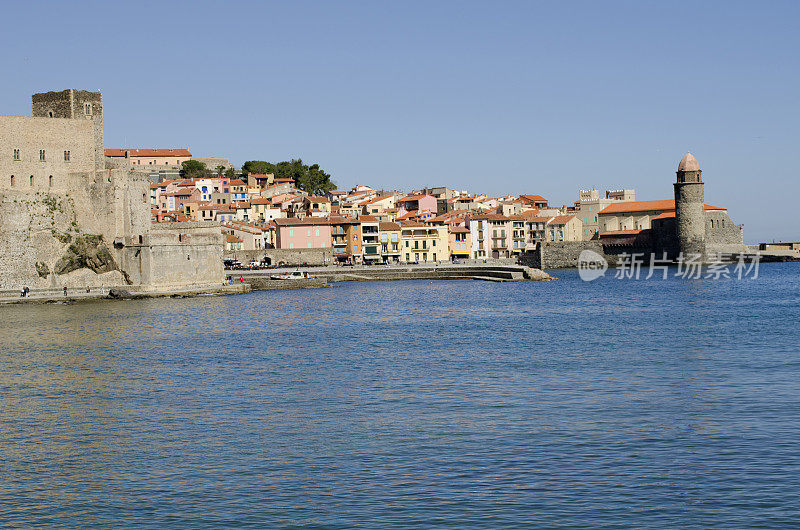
494 97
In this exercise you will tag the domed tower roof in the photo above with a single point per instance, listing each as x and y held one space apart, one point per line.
688 163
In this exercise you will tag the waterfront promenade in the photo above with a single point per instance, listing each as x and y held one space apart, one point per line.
112 292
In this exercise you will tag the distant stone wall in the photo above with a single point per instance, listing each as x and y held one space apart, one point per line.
564 255
289 257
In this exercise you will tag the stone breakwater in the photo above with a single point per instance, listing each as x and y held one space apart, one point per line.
495 273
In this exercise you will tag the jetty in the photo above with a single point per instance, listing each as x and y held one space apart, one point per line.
260 279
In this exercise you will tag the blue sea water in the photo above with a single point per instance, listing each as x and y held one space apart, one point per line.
460 404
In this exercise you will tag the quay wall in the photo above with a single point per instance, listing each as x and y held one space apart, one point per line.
289 257
564 255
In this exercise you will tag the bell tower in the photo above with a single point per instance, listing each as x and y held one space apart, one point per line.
690 209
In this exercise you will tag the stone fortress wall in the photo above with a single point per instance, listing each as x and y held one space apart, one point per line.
71 217
723 236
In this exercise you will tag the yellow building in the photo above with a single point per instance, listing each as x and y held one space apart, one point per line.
564 228
390 240
423 244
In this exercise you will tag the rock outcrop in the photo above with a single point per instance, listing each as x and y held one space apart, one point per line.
86 251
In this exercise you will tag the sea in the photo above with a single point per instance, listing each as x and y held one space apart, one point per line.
617 403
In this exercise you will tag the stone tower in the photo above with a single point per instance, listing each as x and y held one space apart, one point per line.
690 209
75 105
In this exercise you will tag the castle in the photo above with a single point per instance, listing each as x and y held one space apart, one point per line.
70 217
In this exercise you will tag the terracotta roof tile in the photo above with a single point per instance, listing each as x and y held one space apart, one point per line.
148 152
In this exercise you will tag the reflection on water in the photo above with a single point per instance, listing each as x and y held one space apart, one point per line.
468 404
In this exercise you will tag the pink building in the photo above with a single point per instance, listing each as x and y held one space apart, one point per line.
151 157
421 203
177 200
308 232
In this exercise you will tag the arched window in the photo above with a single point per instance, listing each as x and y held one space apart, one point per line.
31 181
12 181
50 181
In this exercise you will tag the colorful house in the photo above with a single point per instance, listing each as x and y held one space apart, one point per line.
297 233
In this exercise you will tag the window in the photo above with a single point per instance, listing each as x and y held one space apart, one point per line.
355 247
66 156
50 181
12 181
87 109
16 154
316 232
31 181
291 232
308 232
291 245
41 155
309 244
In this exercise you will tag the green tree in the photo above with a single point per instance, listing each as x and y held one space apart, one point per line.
220 170
230 173
192 168
258 167
311 179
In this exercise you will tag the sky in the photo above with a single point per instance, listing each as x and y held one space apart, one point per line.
496 97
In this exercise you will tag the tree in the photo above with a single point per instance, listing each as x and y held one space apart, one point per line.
310 179
220 170
230 173
258 167
192 168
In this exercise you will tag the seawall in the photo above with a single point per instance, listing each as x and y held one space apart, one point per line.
487 272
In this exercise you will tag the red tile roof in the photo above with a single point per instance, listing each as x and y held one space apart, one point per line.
379 199
148 152
562 219
532 198
646 206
